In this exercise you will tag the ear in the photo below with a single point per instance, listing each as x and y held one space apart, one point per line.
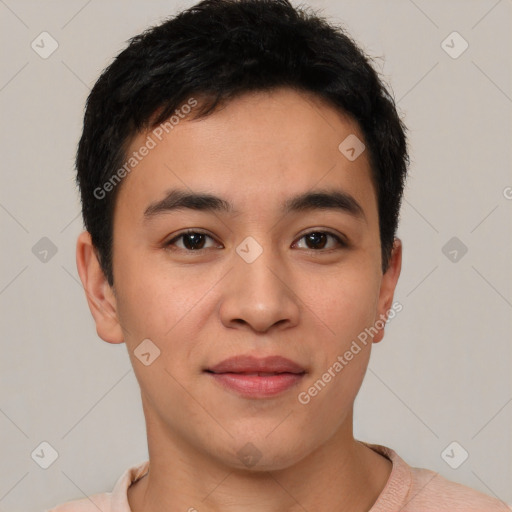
387 287
100 295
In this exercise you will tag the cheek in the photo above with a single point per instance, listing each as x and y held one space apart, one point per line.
167 308
143 310
346 304
152 298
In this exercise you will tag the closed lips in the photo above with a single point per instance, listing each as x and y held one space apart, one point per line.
259 374
249 365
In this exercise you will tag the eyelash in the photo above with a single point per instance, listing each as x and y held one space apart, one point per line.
341 243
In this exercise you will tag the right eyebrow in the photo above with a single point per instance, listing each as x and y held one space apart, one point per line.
177 199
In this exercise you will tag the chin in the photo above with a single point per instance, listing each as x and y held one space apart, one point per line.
259 454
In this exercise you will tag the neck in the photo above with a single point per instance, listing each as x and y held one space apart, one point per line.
342 475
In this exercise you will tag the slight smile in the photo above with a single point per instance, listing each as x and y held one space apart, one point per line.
257 377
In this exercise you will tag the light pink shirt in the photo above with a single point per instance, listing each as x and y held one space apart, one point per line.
408 489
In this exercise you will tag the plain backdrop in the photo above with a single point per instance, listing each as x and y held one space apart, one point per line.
443 372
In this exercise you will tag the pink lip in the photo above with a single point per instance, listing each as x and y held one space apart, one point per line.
250 364
246 375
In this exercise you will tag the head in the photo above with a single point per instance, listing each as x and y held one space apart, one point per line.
265 133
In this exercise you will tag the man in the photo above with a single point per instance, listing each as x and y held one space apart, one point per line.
241 170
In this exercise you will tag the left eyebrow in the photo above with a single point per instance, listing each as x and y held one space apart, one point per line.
323 199
328 199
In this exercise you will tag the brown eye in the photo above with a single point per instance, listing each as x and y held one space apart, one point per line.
195 241
317 240
191 241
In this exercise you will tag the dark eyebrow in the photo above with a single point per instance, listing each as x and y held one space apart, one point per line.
180 199
327 199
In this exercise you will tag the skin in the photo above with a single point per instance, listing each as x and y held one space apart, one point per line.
299 300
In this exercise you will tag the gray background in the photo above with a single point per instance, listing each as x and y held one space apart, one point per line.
443 370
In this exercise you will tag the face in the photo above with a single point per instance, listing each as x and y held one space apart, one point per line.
252 274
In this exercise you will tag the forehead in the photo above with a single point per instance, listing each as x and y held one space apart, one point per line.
257 151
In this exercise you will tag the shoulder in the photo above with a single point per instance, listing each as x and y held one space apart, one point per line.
107 501
430 489
91 504
412 489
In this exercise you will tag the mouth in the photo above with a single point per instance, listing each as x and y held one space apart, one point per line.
257 377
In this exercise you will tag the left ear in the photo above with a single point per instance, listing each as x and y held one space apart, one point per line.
388 285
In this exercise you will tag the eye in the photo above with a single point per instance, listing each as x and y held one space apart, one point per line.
195 241
192 240
318 239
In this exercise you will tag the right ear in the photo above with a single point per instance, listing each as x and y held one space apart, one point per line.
100 295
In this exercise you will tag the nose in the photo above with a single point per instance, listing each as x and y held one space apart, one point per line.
259 295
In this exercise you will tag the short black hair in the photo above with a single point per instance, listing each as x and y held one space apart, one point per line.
218 50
